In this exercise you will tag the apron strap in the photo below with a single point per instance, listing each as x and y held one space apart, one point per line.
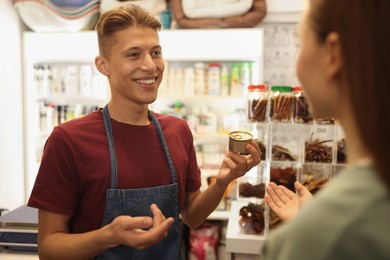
107 124
108 127
165 146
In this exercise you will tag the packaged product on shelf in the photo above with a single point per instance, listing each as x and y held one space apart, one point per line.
208 120
47 80
301 106
200 79
225 81
189 82
281 104
72 80
214 79
204 241
245 75
230 194
85 87
236 89
257 103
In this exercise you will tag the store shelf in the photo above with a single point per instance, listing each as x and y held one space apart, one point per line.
236 241
219 215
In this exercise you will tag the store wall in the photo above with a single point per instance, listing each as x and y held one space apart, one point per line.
12 193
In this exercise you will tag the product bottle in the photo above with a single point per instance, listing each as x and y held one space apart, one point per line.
200 79
257 103
245 75
225 81
213 79
301 106
235 83
281 104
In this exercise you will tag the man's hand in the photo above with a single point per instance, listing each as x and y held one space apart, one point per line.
140 232
235 165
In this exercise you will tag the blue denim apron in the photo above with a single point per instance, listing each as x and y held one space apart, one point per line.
136 202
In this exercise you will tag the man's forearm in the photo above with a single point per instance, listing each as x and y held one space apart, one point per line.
74 246
202 205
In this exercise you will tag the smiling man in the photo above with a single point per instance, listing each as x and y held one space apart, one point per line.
113 183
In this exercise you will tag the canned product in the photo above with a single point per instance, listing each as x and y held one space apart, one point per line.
238 141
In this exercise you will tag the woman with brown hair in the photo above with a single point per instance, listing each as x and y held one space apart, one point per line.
344 67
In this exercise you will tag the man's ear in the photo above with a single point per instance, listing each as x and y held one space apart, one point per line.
334 58
100 64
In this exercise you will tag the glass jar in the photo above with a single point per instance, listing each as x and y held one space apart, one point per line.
257 103
282 104
301 107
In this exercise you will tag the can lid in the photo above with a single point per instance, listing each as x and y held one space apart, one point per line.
281 88
261 87
297 88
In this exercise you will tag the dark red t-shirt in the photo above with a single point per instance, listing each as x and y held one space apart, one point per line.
75 169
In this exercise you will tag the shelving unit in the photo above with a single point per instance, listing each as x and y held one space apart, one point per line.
179 47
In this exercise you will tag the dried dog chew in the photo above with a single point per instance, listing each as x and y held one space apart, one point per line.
259 110
248 190
282 108
317 151
302 113
252 219
280 153
284 176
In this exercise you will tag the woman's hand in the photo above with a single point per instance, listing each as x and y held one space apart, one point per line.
284 202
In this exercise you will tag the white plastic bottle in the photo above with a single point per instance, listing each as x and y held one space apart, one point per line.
214 79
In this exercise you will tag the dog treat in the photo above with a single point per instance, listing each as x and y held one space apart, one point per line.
284 176
282 108
258 110
280 153
252 219
302 113
317 151
248 190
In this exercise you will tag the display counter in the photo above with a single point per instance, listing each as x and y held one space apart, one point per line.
6 254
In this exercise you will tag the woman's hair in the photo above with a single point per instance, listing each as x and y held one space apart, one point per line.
120 18
363 27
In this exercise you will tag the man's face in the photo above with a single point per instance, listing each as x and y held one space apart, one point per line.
135 66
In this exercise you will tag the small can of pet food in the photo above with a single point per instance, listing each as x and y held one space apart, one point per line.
238 141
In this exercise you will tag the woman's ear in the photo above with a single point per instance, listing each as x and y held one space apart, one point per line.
333 52
101 65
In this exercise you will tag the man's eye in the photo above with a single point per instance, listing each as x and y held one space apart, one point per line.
157 53
133 54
